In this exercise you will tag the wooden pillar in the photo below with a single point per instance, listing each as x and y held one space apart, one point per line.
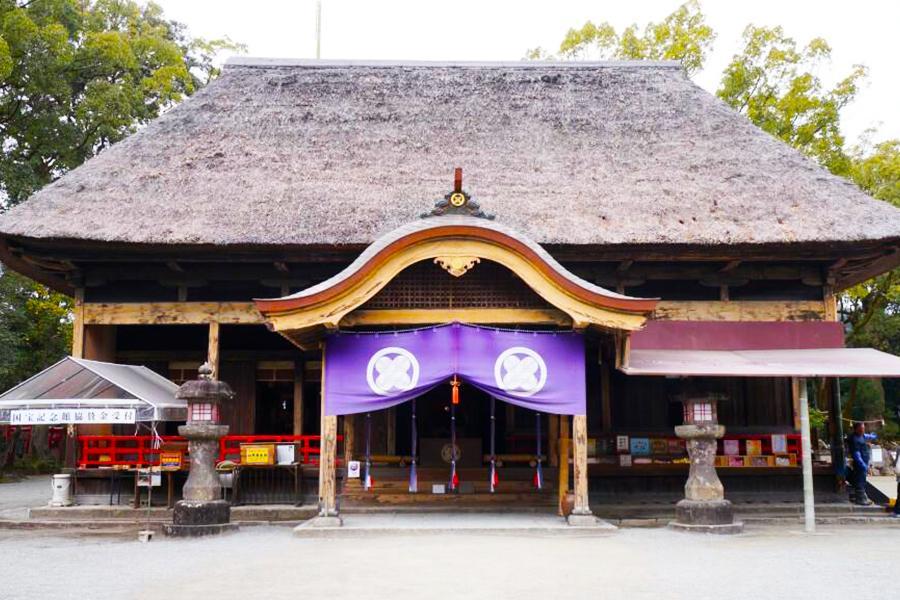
830 301
838 454
553 439
809 507
391 431
212 354
349 432
327 455
98 342
78 325
605 397
563 460
579 449
299 372
795 402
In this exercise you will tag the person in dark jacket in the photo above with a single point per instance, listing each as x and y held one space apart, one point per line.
861 454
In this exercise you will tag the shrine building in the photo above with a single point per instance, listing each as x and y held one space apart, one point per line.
457 274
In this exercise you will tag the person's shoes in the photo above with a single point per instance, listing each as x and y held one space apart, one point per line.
864 501
895 515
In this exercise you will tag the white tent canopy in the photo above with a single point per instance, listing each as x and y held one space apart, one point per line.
76 390
819 362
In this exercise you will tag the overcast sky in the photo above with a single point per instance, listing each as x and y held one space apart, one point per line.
861 31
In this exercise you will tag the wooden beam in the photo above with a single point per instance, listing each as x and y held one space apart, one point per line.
212 352
171 313
425 316
579 450
740 310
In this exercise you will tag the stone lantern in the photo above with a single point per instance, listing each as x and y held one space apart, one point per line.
202 511
704 507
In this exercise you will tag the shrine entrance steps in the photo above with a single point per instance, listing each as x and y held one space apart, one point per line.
515 490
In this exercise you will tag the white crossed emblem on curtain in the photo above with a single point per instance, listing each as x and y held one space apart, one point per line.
392 370
520 371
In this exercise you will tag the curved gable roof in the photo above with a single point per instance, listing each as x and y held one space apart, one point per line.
318 152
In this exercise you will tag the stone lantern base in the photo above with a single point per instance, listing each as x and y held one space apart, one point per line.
194 519
704 508
706 516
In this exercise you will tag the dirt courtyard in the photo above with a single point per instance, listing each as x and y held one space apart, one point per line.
268 562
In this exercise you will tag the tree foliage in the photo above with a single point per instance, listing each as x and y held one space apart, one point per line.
777 84
35 327
683 36
79 75
75 77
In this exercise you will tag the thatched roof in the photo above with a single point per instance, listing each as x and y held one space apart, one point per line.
296 152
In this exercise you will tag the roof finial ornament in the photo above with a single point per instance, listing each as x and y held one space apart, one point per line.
457 202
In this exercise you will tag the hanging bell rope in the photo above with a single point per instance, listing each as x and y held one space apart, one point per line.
413 476
454 477
494 479
368 482
538 473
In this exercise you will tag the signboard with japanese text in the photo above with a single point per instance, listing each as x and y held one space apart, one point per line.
58 416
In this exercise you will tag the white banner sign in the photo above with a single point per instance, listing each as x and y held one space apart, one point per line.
58 416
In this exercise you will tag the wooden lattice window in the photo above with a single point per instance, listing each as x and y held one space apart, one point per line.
425 285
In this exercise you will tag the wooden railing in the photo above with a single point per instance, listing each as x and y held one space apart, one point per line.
138 451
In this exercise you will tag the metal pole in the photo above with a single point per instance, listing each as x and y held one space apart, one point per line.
809 507
318 29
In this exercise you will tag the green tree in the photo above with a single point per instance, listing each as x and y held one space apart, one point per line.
35 327
683 36
776 83
75 77
79 75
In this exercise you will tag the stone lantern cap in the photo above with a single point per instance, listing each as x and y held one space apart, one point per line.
700 397
205 389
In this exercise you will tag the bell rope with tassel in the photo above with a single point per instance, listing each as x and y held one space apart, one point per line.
454 476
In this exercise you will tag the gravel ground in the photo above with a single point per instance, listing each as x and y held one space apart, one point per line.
17 497
270 563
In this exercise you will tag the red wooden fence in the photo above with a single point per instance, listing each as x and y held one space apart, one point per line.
138 451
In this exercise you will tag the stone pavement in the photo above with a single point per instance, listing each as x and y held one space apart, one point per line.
356 525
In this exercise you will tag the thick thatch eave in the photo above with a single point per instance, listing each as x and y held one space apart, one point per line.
317 153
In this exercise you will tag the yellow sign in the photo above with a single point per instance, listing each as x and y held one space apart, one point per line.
170 461
257 454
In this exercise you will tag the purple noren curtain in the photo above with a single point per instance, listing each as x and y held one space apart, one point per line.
539 370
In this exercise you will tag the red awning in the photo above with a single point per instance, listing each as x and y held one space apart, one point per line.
767 349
